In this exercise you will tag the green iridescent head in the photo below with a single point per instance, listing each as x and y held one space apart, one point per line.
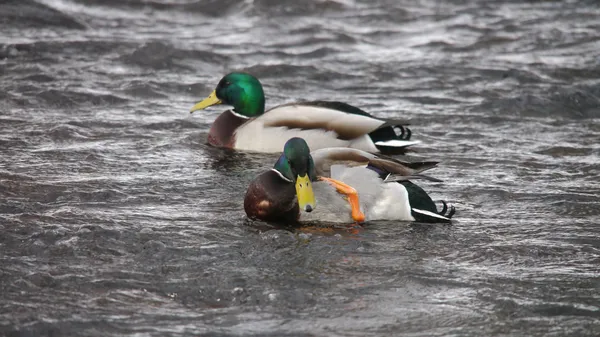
296 160
296 165
241 90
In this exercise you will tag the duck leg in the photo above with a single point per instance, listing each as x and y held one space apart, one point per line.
351 194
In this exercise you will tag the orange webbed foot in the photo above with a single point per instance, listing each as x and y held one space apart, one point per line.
351 194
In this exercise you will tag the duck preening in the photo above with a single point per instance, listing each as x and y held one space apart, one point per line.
341 185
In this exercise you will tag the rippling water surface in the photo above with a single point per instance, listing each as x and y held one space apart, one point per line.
117 219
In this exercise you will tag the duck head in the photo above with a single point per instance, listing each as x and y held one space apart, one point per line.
297 166
240 90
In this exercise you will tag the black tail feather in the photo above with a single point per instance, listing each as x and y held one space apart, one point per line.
420 200
444 208
452 211
391 132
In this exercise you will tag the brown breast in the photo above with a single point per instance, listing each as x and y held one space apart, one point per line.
221 131
270 198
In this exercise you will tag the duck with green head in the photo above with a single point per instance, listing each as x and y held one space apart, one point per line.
340 185
322 123
282 192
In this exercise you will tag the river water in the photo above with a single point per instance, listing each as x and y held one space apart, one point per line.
117 219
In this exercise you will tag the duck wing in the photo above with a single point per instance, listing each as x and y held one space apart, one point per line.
347 121
385 166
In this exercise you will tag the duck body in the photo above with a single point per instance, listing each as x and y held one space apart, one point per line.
321 123
382 184
320 126
377 201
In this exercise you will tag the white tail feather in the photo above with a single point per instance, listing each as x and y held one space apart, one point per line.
397 143
431 214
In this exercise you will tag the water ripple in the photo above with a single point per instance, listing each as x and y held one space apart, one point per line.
117 218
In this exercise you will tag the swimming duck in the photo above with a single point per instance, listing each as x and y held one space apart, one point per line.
341 185
322 123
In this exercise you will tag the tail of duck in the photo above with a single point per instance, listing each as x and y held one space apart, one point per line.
393 137
423 208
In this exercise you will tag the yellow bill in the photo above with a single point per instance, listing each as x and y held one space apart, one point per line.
305 194
205 103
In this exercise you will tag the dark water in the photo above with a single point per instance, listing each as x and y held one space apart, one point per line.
117 219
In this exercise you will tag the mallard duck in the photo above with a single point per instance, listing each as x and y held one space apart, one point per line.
305 186
322 123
